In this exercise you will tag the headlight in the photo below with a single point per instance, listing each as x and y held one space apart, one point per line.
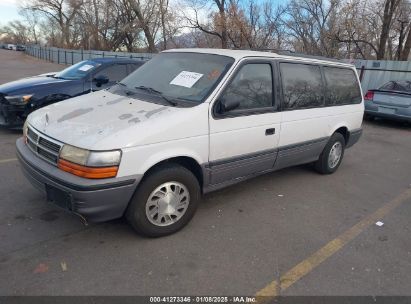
89 164
19 99
102 159
90 158
74 154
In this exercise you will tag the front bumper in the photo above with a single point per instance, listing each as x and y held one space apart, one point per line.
12 115
96 200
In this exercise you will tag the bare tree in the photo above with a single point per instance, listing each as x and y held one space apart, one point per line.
62 12
217 26
144 13
390 7
312 24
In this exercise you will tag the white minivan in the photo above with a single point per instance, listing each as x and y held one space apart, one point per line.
188 122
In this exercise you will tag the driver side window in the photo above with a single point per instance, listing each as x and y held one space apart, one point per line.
115 72
252 87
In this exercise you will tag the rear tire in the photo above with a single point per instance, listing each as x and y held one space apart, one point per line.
332 155
164 202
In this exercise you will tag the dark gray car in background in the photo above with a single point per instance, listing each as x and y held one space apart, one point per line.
392 100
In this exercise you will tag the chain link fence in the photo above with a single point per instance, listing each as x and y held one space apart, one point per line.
69 57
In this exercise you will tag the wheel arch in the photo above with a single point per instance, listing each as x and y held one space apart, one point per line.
187 162
343 130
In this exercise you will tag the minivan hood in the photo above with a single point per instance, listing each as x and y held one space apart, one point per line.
105 121
27 84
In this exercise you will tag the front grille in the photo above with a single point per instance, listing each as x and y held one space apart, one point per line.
33 136
46 148
49 145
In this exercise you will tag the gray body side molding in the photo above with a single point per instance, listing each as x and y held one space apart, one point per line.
225 172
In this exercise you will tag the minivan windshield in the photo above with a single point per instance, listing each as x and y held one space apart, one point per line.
78 70
179 76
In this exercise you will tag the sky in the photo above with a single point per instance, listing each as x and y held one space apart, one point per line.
8 11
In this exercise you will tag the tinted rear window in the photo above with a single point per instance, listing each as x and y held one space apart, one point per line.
399 86
302 86
342 86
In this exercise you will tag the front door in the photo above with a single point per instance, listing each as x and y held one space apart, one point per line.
243 140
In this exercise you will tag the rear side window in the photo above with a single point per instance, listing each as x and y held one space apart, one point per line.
252 86
342 86
302 86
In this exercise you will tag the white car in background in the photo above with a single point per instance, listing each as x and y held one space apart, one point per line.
188 122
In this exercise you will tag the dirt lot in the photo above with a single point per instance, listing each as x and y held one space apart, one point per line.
292 232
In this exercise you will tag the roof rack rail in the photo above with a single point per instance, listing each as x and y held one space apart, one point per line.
292 53
264 50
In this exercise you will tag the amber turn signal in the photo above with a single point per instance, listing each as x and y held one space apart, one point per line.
87 172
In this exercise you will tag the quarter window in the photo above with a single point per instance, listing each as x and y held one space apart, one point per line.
302 86
342 86
252 86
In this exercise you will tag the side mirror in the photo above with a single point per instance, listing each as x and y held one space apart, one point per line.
228 105
100 80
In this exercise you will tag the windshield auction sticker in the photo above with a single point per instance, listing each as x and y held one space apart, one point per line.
86 67
186 79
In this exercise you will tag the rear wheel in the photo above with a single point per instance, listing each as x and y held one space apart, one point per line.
332 155
164 202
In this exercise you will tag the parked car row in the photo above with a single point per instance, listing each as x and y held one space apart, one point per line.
186 123
13 47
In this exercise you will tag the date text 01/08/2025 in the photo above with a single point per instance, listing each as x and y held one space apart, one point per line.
203 299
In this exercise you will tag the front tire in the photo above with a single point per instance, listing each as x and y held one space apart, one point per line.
164 202
332 155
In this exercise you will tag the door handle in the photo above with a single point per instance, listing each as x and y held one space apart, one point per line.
270 131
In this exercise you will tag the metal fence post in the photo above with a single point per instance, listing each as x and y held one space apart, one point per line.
72 57
58 56
65 57
362 73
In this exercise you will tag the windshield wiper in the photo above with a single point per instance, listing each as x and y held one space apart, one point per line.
158 93
127 90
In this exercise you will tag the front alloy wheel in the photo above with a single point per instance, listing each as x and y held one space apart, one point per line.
165 201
